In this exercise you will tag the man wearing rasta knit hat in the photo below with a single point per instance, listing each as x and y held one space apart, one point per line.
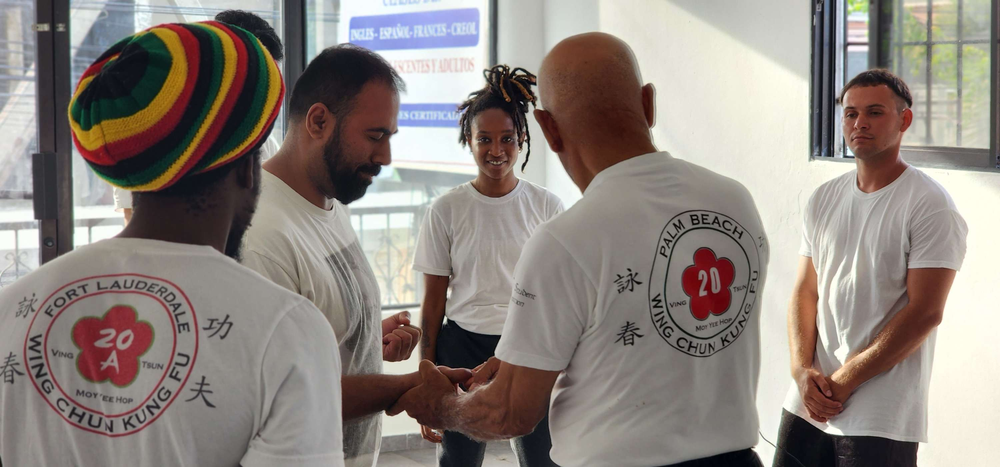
342 115
270 40
155 348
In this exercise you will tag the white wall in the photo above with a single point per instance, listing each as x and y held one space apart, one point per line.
520 26
527 30
733 95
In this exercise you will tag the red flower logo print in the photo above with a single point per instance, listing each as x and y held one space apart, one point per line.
110 346
707 282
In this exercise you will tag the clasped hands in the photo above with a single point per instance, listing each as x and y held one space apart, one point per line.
823 396
430 401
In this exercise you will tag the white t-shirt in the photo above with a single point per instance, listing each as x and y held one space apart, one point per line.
862 245
123 198
647 294
315 253
476 240
140 352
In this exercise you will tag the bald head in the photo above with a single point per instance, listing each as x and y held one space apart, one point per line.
592 82
595 110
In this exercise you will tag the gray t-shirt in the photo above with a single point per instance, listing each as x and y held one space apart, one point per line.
315 253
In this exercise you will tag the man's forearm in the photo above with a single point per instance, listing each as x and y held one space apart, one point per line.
802 330
430 322
432 314
368 394
509 406
485 415
904 334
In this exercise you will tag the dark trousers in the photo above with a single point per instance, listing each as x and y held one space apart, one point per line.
744 458
458 348
801 444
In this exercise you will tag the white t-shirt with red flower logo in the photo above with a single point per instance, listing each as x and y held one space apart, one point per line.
140 352
646 294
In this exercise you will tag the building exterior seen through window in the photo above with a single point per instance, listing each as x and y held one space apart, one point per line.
941 48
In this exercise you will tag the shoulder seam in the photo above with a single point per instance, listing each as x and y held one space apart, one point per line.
281 266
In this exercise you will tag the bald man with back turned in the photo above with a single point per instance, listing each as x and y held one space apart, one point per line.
634 313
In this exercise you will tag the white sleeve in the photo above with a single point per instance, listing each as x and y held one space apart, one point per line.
806 246
555 207
433 255
123 199
270 269
550 307
938 241
301 418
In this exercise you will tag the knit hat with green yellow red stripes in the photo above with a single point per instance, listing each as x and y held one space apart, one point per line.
172 101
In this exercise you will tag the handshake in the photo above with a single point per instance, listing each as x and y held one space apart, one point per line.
432 399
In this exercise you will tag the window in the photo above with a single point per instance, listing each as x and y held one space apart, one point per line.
18 229
945 51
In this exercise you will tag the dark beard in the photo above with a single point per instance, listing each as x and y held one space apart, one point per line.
241 222
234 244
348 184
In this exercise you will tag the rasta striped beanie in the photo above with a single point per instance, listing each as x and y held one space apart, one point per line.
174 100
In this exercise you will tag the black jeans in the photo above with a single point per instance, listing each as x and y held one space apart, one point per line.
801 444
458 348
744 458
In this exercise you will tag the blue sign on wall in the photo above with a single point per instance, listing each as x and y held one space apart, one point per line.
426 30
429 115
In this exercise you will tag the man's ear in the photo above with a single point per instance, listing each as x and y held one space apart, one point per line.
244 171
649 104
319 122
550 129
907 120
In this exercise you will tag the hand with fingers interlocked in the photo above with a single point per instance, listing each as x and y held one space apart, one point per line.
817 394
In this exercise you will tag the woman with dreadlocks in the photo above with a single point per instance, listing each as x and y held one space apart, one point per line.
470 240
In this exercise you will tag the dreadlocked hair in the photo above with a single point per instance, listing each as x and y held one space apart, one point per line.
507 90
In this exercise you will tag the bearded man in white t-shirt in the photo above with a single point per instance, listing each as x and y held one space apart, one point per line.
342 114
881 246
636 311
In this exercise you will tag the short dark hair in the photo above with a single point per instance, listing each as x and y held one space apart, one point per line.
336 76
879 77
257 26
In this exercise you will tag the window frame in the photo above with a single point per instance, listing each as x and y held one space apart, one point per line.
828 42
52 164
